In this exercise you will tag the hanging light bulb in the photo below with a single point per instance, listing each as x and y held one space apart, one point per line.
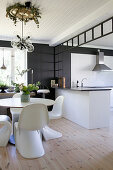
3 65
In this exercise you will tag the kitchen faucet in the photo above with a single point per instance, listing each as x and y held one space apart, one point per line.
82 81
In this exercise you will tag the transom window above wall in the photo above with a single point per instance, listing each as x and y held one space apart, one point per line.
15 61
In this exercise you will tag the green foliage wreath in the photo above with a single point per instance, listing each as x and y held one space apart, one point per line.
23 13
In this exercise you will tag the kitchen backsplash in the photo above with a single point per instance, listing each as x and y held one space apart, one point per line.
81 67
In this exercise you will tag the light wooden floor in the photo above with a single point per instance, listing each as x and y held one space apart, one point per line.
77 149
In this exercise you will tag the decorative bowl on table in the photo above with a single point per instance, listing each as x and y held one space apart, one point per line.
3 88
10 89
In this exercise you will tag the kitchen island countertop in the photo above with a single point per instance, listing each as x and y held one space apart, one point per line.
88 88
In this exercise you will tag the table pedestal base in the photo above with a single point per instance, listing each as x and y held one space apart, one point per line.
49 133
12 140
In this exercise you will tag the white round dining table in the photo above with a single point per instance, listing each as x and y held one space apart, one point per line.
16 102
47 132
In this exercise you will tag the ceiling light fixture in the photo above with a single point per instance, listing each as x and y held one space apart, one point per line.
23 43
23 13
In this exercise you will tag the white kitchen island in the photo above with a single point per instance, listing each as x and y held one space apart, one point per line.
88 107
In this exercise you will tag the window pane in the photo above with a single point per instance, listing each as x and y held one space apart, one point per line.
13 60
20 64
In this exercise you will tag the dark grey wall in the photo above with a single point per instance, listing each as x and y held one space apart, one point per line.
5 43
41 60
63 67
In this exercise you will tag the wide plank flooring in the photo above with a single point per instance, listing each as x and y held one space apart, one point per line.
78 149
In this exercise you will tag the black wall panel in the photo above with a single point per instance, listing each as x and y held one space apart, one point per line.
63 67
41 60
5 43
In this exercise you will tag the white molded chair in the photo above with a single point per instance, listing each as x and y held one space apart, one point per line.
15 112
6 129
27 135
56 112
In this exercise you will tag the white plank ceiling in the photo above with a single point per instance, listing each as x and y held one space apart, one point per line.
61 19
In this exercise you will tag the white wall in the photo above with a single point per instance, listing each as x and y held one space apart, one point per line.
81 67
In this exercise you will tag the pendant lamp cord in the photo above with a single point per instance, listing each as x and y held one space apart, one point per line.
22 27
3 56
